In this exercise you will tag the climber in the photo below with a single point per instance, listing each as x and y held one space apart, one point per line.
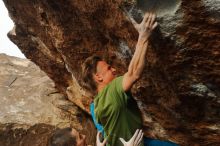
70 137
114 107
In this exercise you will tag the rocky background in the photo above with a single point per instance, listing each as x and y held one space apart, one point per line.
31 108
179 93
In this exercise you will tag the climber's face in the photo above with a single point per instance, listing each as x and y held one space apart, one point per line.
105 73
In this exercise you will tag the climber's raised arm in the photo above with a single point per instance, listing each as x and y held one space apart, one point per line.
137 63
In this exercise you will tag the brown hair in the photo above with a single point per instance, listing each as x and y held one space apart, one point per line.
62 137
88 69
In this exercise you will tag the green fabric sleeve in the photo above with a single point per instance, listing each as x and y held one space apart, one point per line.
117 89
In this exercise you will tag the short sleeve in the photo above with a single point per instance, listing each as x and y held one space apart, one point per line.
117 91
118 84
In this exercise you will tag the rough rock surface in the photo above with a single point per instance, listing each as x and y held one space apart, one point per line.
31 108
179 93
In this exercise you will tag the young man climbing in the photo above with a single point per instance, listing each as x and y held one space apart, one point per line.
114 107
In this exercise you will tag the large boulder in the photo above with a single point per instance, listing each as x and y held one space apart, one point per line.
32 108
179 93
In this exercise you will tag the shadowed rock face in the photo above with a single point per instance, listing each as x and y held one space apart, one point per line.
15 134
179 93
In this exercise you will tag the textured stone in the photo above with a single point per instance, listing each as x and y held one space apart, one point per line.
160 7
184 51
30 101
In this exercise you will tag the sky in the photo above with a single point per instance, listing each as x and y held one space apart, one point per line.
6 24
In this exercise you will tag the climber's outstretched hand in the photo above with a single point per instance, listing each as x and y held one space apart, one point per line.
135 140
146 26
98 142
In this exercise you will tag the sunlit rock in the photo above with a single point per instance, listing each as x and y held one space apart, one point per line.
29 100
160 7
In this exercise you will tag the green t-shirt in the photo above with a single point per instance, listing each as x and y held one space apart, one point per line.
117 112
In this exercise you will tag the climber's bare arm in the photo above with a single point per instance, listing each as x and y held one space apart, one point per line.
137 63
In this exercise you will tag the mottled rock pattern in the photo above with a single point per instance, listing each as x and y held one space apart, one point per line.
31 108
160 7
179 92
